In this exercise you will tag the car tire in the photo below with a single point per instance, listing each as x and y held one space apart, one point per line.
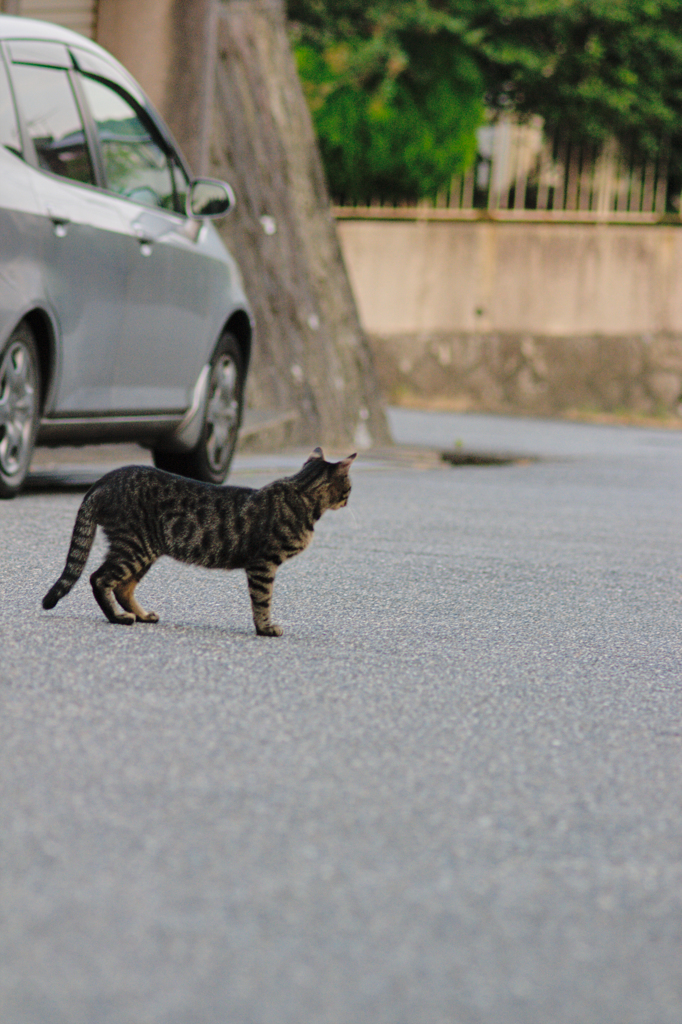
210 459
19 408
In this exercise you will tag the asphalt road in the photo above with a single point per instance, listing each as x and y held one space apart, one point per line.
449 794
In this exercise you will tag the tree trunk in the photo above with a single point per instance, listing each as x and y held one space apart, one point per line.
310 353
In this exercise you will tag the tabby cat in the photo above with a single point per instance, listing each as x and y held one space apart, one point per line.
146 513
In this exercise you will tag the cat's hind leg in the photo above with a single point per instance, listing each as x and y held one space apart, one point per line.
125 595
103 581
116 578
261 579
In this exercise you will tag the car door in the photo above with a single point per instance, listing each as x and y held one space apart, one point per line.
83 239
167 322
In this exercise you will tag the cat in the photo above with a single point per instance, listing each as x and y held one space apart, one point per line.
146 513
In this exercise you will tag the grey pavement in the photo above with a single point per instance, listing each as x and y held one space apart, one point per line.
451 792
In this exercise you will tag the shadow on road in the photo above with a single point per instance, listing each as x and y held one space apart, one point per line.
61 480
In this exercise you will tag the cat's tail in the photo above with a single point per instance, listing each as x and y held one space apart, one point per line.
81 542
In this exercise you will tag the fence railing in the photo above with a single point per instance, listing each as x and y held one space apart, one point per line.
519 174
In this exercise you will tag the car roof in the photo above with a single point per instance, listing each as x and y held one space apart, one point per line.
12 27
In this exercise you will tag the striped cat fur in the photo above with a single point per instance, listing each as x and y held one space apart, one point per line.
146 513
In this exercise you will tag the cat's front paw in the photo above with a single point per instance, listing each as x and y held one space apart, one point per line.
271 630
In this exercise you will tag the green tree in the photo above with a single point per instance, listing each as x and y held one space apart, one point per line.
395 94
591 68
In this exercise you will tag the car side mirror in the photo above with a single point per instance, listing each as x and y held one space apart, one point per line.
208 198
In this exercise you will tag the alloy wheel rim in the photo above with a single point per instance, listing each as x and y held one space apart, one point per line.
18 403
222 414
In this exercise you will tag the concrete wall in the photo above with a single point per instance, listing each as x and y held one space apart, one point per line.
537 318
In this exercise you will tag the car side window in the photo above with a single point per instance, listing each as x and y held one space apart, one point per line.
135 163
53 121
9 129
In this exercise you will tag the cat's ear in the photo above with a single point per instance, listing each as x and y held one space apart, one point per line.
345 464
316 453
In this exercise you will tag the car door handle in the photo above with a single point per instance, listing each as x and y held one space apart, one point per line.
146 240
60 224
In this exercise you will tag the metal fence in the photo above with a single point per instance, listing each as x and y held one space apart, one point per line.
520 174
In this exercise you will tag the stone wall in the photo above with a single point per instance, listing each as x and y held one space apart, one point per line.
533 318
533 374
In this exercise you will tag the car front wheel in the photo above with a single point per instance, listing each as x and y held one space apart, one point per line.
210 459
19 409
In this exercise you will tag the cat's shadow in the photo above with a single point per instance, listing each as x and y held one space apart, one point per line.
165 626
153 628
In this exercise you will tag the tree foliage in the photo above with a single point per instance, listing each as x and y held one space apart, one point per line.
591 68
395 94
397 88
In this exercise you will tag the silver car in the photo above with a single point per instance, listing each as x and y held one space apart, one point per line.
122 315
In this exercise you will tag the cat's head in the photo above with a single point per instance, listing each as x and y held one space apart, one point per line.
332 478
